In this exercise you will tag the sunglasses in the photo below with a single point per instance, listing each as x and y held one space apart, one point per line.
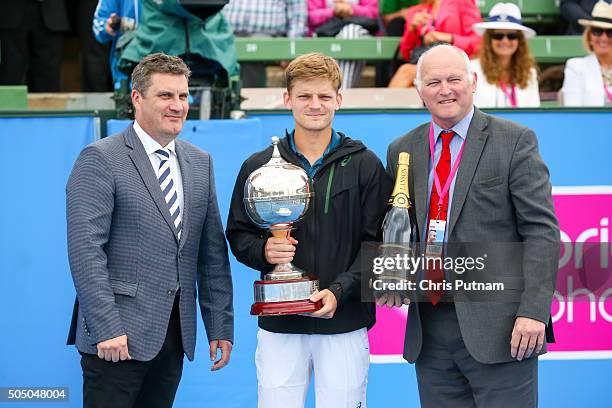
597 32
500 36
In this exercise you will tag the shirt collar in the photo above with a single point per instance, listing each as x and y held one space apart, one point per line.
460 128
333 143
150 145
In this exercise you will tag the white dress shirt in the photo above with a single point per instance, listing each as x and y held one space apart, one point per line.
150 146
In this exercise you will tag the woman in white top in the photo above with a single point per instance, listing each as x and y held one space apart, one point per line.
588 80
506 70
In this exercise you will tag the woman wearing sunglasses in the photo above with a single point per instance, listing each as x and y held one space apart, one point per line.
588 80
506 70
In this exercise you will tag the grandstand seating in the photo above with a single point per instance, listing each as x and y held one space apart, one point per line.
533 11
546 49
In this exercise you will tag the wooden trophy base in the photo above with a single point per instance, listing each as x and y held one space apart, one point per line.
285 296
285 308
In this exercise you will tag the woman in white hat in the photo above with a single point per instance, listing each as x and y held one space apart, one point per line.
588 80
506 70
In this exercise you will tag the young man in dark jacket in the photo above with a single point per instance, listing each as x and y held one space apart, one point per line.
351 190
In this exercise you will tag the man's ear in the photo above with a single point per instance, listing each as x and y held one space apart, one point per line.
338 100
419 93
136 97
287 99
474 81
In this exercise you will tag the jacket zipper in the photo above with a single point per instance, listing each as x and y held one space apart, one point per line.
330 178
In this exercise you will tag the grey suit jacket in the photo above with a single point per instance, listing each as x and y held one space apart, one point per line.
502 194
125 254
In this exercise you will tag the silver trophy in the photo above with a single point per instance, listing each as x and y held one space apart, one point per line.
276 195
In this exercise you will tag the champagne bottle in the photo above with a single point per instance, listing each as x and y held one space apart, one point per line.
399 228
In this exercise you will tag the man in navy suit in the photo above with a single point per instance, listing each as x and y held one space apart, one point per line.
144 232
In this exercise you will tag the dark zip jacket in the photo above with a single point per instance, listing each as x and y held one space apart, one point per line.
351 191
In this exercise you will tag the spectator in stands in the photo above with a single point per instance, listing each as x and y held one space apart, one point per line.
264 18
588 80
393 15
506 71
347 19
94 56
32 43
573 10
111 20
431 22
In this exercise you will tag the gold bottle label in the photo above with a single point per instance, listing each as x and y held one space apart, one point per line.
401 196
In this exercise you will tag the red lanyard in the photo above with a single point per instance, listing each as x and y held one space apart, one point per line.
442 192
511 96
608 93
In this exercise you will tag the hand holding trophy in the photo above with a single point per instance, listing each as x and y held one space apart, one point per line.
277 195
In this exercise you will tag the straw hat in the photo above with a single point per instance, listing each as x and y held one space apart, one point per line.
601 16
504 16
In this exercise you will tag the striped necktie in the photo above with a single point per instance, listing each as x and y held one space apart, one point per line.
169 189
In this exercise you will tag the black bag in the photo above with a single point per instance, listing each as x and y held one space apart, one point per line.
332 27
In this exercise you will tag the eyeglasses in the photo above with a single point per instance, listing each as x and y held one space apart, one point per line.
597 32
500 36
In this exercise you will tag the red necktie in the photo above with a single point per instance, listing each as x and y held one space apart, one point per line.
435 274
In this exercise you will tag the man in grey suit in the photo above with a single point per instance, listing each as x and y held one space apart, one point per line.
498 190
144 231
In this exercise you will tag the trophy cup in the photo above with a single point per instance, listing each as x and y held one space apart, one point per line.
276 195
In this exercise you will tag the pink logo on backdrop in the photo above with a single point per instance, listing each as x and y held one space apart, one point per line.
581 311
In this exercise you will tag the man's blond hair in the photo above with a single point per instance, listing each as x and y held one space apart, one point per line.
311 66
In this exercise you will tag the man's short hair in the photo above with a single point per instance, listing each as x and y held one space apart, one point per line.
158 63
311 66
468 66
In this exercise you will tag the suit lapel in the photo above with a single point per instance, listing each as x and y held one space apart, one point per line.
474 144
186 174
420 177
143 165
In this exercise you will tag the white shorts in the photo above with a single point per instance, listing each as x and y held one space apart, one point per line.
340 363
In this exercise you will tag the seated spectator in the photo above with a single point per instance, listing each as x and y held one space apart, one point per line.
354 18
32 43
393 15
436 21
588 80
264 18
506 71
111 20
572 11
